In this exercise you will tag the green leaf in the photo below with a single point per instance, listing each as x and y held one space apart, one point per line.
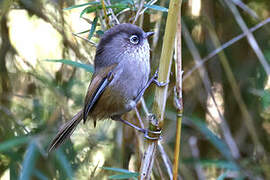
122 2
40 175
99 33
94 8
15 142
64 163
81 5
90 9
216 141
87 67
266 99
156 7
93 27
29 161
124 176
120 6
83 32
117 170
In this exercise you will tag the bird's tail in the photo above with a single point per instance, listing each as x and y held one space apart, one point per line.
65 131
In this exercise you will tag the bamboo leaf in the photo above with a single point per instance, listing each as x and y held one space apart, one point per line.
40 175
81 5
15 142
156 7
216 141
87 67
124 176
117 170
83 32
29 161
99 33
64 163
93 27
89 9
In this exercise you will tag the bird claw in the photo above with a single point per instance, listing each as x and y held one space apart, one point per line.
160 84
156 134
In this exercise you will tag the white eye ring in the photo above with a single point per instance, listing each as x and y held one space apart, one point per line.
134 39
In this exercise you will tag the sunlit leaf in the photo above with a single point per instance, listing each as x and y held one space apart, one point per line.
93 27
29 161
81 5
156 7
15 142
87 67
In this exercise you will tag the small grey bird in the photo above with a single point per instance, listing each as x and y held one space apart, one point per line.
120 78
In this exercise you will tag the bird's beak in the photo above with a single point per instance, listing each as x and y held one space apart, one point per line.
148 34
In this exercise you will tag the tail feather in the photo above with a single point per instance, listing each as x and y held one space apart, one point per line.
65 131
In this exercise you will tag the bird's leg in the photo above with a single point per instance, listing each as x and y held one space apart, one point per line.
144 131
153 79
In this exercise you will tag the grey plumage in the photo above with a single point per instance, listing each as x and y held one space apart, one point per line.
122 70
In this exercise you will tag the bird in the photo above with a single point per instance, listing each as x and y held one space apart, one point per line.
121 75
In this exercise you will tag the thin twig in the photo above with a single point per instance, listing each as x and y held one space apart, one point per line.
139 10
246 8
112 13
252 41
139 117
91 42
222 47
196 155
161 175
166 160
207 84
149 3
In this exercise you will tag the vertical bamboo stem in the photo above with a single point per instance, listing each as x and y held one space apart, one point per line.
178 98
161 93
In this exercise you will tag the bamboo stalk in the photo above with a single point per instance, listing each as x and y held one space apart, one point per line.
178 98
107 20
161 93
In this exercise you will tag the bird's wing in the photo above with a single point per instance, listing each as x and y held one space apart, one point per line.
98 84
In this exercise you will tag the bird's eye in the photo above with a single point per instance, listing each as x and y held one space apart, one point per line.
134 39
